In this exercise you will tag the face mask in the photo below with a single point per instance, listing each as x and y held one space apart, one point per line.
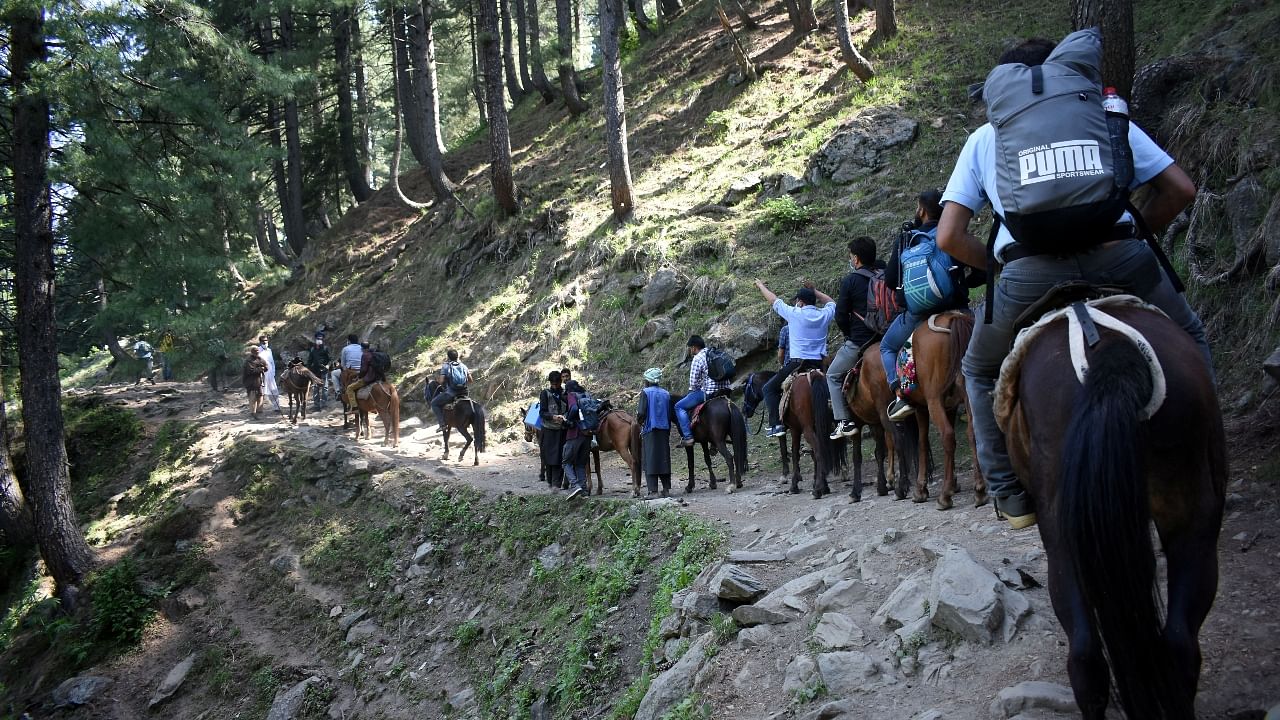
852 266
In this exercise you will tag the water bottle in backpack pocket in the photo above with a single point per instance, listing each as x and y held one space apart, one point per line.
928 279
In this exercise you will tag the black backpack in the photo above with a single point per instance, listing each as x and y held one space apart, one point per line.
719 365
589 411
381 362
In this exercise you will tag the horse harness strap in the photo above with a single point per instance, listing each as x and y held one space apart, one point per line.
1087 326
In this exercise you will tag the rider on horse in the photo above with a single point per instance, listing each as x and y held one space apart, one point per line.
928 211
368 374
808 324
702 387
1121 259
850 309
455 377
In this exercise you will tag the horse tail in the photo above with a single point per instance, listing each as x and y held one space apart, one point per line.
822 419
738 434
961 331
477 423
1104 514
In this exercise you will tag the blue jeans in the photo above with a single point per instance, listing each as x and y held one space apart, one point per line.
444 397
684 407
894 338
1129 264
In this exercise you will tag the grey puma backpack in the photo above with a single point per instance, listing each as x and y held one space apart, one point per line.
1063 165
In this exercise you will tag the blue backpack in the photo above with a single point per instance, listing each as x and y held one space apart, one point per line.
456 375
927 272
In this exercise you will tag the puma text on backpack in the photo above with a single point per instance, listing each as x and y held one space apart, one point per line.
719 365
882 306
927 279
1062 174
381 362
456 374
589 410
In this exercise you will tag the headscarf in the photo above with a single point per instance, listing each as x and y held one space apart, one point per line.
653 375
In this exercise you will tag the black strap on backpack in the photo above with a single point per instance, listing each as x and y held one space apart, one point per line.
1144 231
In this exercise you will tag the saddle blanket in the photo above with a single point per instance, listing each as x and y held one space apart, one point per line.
907 368
785 401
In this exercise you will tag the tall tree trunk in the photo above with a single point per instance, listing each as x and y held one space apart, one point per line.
15 518
1115 19
477 83
738 9
540 82
504 190
422 48
356 172
295 221
226 248
264 233
568 76
363 112
398 147
414 122
109 337
612 18
857 64
886 21
740 56
803 21
641 19
514 89
46 483
522 38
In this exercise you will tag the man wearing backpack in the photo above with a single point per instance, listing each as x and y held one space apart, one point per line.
808 324
702 387
851 309
1117 257
456 377
954 282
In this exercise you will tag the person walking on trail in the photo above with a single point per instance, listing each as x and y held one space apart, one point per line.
571 385
348 359
653 412
318 360
269 387
576 451
454 380
553 407
928 212
251 376
1120 259
702 387
851 308
143 351
808 324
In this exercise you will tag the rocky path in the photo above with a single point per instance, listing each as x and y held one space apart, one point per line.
876 609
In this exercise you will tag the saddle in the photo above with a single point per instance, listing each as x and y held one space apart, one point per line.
786 388
1060 296
696 415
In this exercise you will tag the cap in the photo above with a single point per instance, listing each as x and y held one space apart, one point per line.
653 375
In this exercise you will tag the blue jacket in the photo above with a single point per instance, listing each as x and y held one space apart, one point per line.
654 410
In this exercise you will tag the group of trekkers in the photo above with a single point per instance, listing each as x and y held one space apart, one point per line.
357 361
1039 241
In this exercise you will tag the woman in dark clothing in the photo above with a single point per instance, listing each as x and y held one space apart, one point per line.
553 407
654 415
573 458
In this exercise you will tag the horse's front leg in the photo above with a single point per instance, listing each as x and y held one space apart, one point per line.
947 428
921 491
855 492
820 487
786 461
689 454
467 437
734 481
979 482
795 460
444 431
711 470
595 456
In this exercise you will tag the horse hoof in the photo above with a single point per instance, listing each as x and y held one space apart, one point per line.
855 497
713 485
729 489
899 496
882 492
688 490
795 490
980 499
944 503
917 498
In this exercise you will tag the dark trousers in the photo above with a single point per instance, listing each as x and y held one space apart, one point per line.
444 397
773 388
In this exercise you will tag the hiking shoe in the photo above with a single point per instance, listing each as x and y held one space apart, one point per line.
1017 509
778 431
899 410
574 493
846 428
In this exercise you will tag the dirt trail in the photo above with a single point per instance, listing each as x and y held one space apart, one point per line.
1241 639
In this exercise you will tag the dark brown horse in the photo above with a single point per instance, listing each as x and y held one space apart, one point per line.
752 396
295 382
938 346
868 399
465 413
383 399
722 424
808 416
1100 468
614 433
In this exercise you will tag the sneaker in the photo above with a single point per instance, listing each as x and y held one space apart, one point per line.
846 428
778 431
899 410
1017 509
574 493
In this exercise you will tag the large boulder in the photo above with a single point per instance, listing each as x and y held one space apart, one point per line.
906 604
1033 695
736 585
653 331
675 684
740 335
970 601
835 631
664 289
859 146
287 703
78 690
845 673
172 681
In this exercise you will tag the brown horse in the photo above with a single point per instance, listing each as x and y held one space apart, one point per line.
465 413
720 423
1101 463
868 399
385 400
808 416
614 433
939 344
295 382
